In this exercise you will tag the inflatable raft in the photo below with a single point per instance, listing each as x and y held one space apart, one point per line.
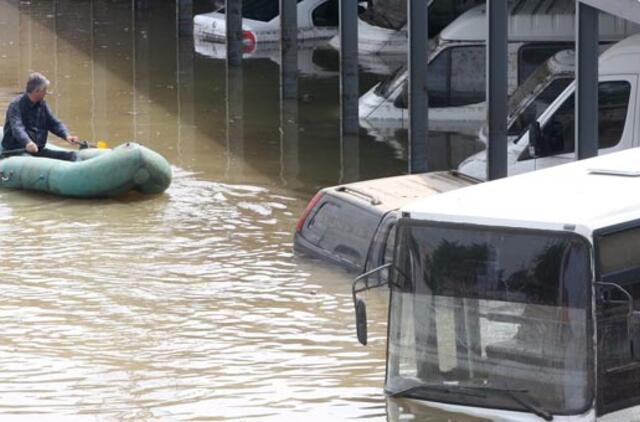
98 173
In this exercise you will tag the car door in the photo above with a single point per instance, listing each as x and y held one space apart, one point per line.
616 125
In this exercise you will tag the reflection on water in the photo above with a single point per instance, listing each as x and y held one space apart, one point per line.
190 304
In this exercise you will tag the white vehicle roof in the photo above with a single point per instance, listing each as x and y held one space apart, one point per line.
582 196
535 20
621 58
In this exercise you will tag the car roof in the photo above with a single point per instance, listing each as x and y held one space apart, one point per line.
583 196
391 193
535 20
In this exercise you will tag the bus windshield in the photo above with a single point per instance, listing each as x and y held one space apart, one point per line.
491 317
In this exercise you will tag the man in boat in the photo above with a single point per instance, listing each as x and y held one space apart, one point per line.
29 120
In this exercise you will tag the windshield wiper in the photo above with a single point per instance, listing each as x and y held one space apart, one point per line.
458 388
444 388
513 394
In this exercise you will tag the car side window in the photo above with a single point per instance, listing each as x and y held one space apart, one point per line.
326 14
557 135
530 56
343 229
537 106
456 77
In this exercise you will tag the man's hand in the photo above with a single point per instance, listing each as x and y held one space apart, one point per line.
31 147
72 139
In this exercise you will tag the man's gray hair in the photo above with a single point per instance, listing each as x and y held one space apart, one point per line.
36 81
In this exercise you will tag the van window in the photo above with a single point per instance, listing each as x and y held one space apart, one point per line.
618 371
343 229
530 56
456 77
537 106
558 132
326 14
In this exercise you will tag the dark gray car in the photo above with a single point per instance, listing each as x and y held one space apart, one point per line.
353 225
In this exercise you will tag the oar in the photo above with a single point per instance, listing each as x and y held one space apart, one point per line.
13 152
82 144
86 144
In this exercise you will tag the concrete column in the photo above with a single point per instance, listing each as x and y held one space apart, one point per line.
233 13
349 83
184 16
497 77
418 98
586 131
289 49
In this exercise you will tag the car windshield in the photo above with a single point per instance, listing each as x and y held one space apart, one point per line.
488 310
259 10
531 98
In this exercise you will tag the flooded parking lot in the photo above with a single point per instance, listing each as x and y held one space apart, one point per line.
188 305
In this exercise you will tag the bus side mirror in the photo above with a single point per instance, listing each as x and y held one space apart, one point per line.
362 284
535 136
361 321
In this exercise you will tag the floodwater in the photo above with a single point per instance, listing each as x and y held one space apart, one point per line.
188 305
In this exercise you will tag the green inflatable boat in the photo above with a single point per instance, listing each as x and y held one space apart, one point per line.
98 173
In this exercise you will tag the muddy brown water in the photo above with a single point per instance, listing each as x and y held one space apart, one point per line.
188 305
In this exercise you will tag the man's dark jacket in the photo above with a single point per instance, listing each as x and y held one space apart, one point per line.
28 121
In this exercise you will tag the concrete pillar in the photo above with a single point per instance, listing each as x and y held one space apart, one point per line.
586 131
497 77
349 84
184 17
418 98
289 49
233 13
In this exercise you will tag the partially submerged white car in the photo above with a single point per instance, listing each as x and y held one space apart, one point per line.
261 21
312 55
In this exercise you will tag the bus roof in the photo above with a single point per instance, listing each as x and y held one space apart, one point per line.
582 196
535 20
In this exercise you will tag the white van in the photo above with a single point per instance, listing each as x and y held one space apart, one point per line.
261 21
619 128
457 79
519 299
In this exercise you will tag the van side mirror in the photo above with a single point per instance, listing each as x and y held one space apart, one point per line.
535 138
361 321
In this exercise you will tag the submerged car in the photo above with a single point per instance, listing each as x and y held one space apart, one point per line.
261 21
353 225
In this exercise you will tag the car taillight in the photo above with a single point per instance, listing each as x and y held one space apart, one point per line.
248 42
310 206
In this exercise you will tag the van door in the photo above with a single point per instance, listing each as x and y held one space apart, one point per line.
618 272
616 125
